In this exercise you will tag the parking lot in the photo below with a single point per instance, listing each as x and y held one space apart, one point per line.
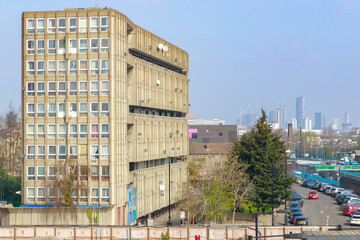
331 212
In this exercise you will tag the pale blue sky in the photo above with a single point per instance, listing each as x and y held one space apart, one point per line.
259 52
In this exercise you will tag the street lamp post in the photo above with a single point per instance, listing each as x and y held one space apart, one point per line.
169 223
3 186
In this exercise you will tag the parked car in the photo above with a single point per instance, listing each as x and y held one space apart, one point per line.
320 185
294 210
323 187
341 197
335 190
301 220
329 189
294 204
298 198
350 210
294 216
313 195
354 202
355 219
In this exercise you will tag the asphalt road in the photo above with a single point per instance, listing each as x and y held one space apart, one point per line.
332 214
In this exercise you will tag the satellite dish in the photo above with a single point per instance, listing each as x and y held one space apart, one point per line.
166 48
162 187
158 82
160 46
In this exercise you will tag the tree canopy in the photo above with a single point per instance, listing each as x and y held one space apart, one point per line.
264 152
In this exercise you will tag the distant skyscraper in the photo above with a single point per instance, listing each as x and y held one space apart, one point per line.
319 121
249 120
300 112
308 124
280 117
272 117
347 117
336 124
347 125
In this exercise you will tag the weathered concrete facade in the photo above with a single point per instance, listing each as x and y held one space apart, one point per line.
106 99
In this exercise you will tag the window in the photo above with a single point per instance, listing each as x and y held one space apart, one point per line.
51 46
105 171
31 152
41 131
41 88
41 173
41 194
94 152
104 130
61 110
82 24
105 194
104 109
83 109
83 88
94 24
94 194
83 48
105 88
94 88
30 68
73 46
30 89
51 25
62 46
41 46
31 173
61 25
51 131
104 66
72 109
51 190
31 194
83 151
83 131
72 24
94 109
51 172
51 67
83 67
62 152
72 88
104 45
62 67
83 195
94 171
40 152
30 25
105 149
94 130
73 131
40 25
62 130
31 109
94 45
51 153
104 21
41 109
62 89
41 67
52 110
30 134
51 88
73 151
30 46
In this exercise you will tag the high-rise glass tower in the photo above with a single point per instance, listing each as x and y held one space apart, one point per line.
300 112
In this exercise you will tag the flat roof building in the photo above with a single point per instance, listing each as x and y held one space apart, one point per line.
103 107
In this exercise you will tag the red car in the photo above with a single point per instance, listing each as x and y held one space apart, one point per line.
313 195
350 210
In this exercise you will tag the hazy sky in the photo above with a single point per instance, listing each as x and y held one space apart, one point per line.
263 53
